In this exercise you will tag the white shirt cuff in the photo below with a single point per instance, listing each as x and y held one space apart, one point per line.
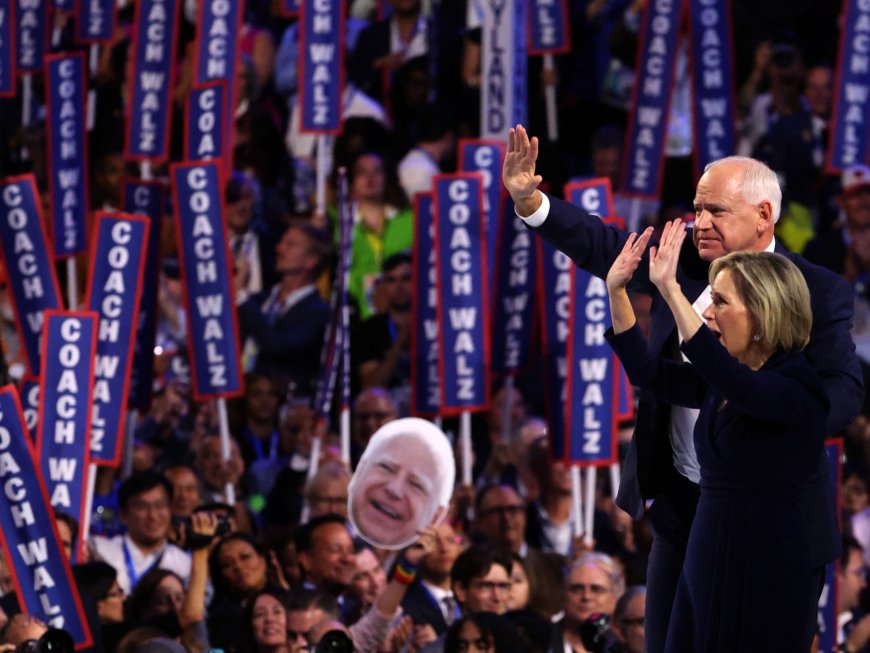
537 218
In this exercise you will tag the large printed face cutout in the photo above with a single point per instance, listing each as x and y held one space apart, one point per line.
403 483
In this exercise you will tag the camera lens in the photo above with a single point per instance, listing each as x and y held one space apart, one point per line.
334 641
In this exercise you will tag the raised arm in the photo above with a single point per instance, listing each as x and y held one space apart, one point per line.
621 272
663 273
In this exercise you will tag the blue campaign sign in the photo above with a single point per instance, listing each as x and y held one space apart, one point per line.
96 21
146 198
591 383
486 157
218 51
150 111
29 394
40 571
31 36
30 270
514 304
555 272
592 195
206 271
712 57
425 384
648 117
321 65
114 293
204 130
66 385
67 151
849 130
7 48
463 320
549 27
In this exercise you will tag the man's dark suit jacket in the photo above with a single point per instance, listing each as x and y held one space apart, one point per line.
290 345
422 607
593 246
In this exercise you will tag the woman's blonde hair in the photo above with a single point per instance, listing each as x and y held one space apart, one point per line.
776 295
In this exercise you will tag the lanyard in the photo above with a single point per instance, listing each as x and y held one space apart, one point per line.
131 571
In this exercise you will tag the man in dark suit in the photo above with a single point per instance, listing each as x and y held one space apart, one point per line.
737 203
429 600
282 328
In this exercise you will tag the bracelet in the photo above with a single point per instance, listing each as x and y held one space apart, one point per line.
405 572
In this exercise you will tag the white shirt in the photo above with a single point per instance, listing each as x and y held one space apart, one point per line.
111 551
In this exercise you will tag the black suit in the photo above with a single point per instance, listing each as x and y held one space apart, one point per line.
648 471
289 344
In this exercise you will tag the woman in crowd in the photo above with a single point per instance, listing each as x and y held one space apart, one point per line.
266 622
483 632
239 570
748 583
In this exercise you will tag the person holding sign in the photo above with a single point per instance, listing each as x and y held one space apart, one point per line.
403 483
747 582
737 204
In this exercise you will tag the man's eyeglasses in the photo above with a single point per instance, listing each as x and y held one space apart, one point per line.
580 588
637 621
491 586
502 510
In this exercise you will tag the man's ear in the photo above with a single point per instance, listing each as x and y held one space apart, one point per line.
765 214
304 560
460 592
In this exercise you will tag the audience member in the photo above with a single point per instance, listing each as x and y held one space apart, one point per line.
144 504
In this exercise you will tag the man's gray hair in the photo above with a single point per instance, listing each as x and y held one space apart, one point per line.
757 184
605 564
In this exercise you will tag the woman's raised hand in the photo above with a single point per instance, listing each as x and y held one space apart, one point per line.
629 258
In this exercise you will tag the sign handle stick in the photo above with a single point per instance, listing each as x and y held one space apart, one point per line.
589 508
465 448
320 179
72 283
145 170
437 421
313 463
129 443
550 98
345 433
225 444
26 108
508 393
615 478
93 68
465 443
576 503
89 501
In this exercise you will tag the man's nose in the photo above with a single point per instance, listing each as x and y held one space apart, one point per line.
702 219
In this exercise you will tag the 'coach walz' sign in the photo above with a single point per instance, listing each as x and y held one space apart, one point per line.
463 327
205 268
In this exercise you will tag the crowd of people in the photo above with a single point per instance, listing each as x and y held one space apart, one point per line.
192 552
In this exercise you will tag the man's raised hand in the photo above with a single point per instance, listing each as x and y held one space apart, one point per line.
518 173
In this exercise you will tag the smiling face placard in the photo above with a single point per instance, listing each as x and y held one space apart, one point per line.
403 483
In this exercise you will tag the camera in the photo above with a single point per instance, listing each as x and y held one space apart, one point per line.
334 641
198 541
594 631
53 640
